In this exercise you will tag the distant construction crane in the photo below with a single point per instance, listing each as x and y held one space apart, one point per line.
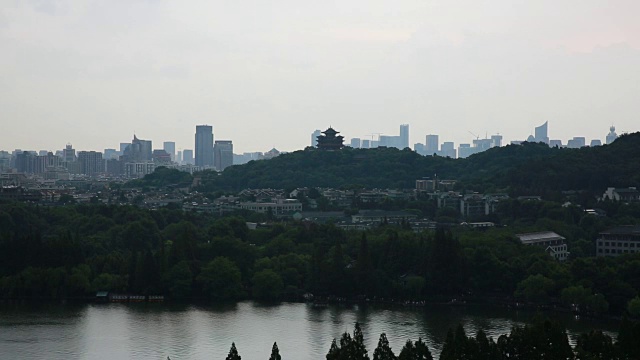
477 137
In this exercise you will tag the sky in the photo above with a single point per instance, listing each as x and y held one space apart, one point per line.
268 73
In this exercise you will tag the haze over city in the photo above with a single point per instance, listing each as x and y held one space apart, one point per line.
267 74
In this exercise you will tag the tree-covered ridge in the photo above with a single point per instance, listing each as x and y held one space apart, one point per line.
522 169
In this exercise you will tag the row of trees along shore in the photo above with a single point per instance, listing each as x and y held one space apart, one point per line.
543 339
73 251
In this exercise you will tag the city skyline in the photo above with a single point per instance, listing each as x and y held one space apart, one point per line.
419 140
87 74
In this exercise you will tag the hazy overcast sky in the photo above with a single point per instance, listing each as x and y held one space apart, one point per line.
267 73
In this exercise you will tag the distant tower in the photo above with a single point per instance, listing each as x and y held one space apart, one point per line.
496 140
404 136
314 138
223 150
355 143
330 140
541 133
431 144
69 153
187 157
204 145
612 136
170 148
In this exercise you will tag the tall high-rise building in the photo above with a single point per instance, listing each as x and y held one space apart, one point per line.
138 151
448 149
91 162
69 154
541 133
314 138
389 141
204 145
496 140
123 147
431 145
170 148
110 154
404 136
365 144
355 143
223 154
187 157
179 157
612 136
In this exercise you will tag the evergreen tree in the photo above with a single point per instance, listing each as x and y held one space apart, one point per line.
334 352
275 353
422 351
595 345
233 353
364 267
408 352
359 349
383 351
448 348
350 348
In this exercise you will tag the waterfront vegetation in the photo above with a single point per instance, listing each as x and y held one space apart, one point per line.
73 251
543 339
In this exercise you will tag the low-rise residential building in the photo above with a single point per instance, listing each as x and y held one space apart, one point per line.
381 215
630 194
552 243
618 241
278 207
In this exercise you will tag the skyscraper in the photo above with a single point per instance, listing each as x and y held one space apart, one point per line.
404 136
314 138
431 145
541 133
170 148
187 157
223 154
91 162
69 154
204 145
612 136
138 151
496 140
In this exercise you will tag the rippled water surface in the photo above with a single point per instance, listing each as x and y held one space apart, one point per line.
155 331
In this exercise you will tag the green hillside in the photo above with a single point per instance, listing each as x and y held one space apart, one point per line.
520 169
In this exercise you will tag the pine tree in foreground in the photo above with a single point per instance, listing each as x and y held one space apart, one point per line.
233 353
383 351
349 348
275 352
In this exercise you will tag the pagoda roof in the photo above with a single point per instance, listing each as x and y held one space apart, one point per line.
330 130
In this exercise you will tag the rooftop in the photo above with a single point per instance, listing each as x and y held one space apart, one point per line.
535 237
623 230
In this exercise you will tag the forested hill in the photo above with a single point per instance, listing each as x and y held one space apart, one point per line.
521 169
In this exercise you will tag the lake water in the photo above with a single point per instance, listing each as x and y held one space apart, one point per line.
303 332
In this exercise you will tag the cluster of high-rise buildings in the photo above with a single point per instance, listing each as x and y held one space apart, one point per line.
133 159
433 146
541 134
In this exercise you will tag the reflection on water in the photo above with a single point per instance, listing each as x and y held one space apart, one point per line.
155 331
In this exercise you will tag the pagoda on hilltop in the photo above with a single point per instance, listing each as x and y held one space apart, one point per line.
329 141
